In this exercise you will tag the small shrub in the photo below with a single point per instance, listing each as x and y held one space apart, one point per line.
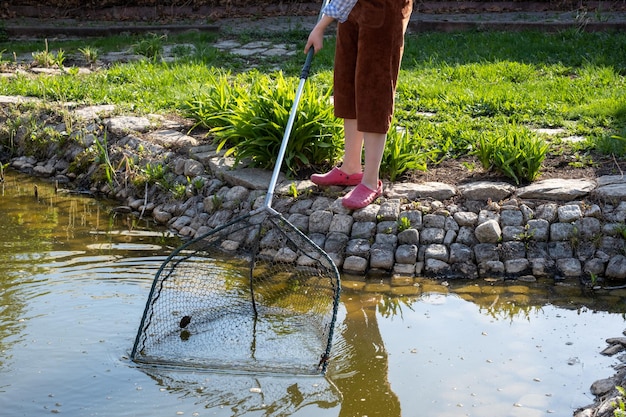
517 152
150 47
90 55
253 121
403 153
403 224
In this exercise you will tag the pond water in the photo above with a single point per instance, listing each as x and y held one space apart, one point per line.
74 279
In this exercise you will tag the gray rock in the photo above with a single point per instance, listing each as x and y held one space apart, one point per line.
538 230
122 125
319 221
512 250
301 206
434 221
485 215
412 191
355 264
363 230
466 236
460 253
491 268
465 270
389 210
236 194
569 213
251 178
611 245
386 239
569 267
486 190
436 267
562 231
616 268
488 232
404 269
172 139
336 242
557 189
341 223
300 221
527 212
358 247
406 254
389 227
516 266
602 386
451 224
381 257
161 216
611 187
594 266
484 252
415 218
409 237
511 218
588 227
432 235
44 170
513 233
560 250
367 213
542 267
466 218
436 251
181 222
547 212
285 255
449 238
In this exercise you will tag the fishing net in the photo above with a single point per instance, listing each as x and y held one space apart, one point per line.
256 295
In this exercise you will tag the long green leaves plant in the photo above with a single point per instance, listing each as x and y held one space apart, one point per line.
515 151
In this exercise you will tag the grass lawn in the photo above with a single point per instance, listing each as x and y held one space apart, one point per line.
480 100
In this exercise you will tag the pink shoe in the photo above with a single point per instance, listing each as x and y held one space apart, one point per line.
361 196
337 177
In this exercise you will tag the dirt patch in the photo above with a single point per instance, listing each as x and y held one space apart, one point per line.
468 169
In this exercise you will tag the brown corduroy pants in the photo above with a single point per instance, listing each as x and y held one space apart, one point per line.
367 61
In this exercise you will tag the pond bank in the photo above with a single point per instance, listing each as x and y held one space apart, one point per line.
558 227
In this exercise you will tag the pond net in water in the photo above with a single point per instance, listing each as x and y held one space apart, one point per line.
255 295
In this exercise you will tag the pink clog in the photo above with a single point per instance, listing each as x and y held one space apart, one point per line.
361 196
337 177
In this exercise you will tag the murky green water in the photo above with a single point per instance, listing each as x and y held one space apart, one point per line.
74 280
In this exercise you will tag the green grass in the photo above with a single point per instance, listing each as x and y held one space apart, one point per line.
453 87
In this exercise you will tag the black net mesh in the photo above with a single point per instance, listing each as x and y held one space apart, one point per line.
255 295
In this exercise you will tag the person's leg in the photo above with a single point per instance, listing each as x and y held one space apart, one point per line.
353 147
350 171
374 148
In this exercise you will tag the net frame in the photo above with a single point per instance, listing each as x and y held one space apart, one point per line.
273 248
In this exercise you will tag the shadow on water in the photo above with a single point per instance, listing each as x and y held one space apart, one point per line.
73 283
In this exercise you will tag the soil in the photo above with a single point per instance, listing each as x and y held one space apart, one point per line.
468 169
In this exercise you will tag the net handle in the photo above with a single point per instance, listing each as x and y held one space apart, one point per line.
292 117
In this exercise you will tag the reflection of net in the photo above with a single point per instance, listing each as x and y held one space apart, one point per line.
244 395
254 295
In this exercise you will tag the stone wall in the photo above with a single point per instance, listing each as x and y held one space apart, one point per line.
552 228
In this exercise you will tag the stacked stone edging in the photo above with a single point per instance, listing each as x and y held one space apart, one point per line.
558 227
